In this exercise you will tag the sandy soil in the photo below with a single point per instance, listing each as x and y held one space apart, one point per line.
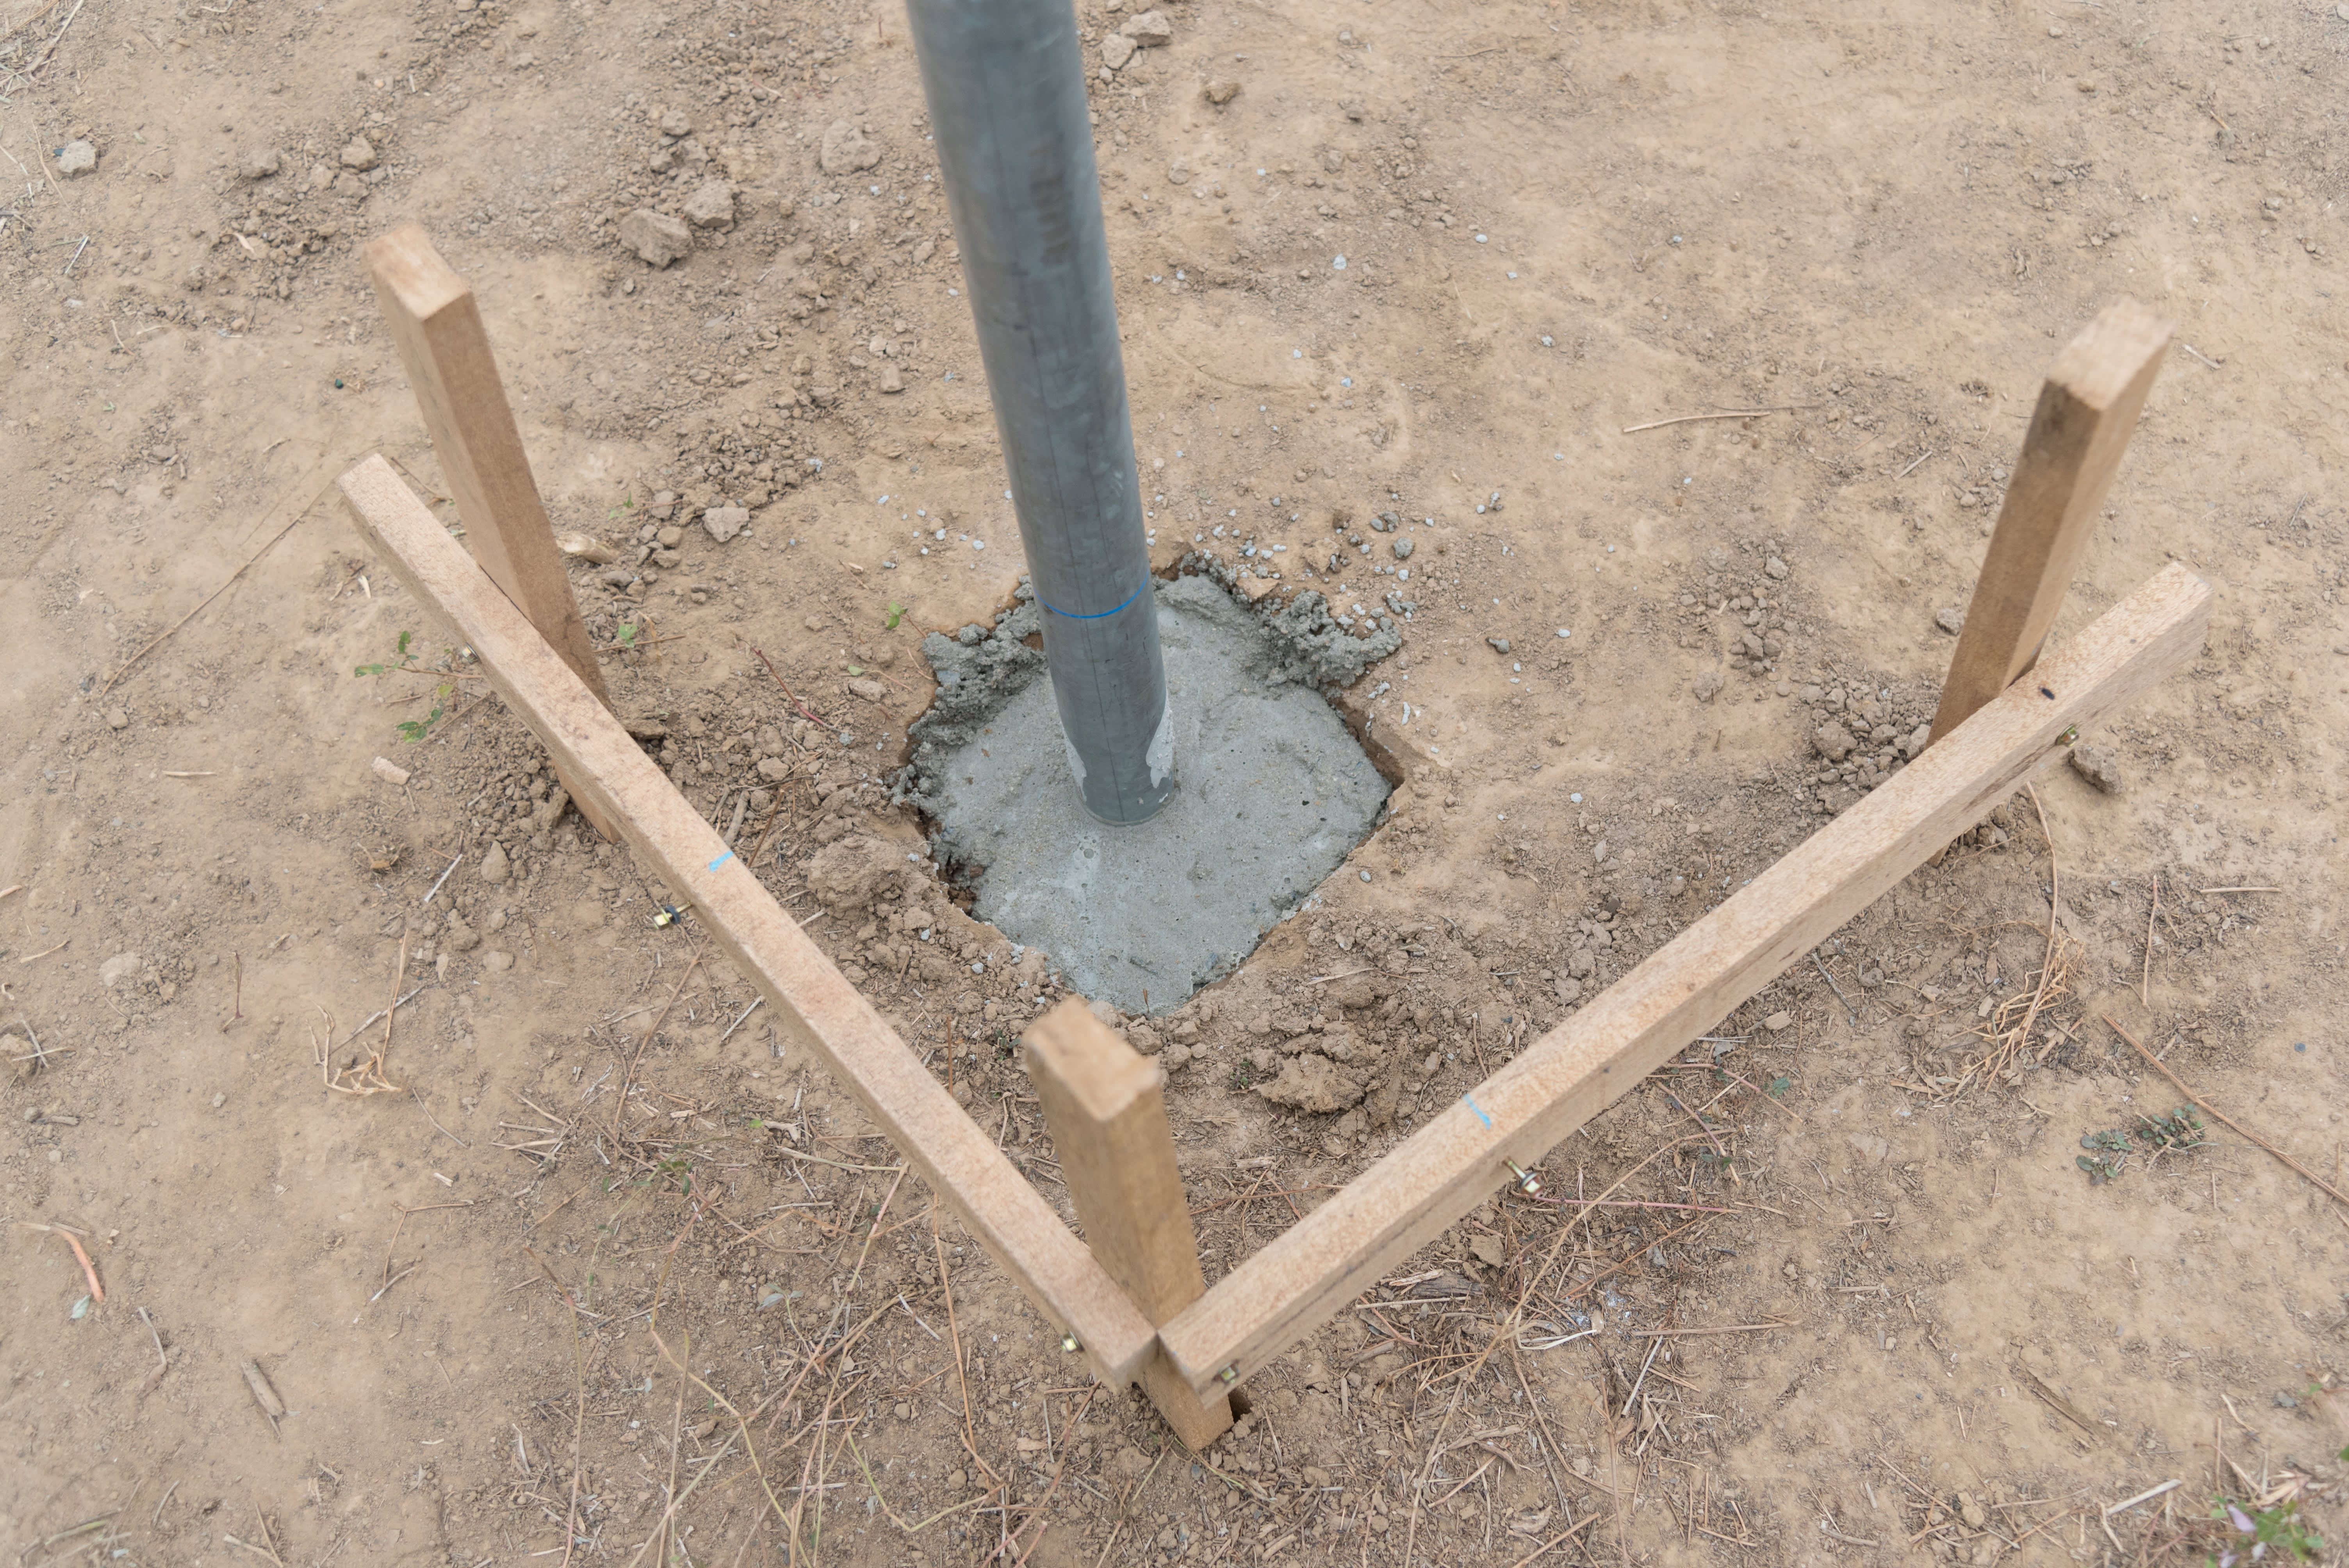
1938 1335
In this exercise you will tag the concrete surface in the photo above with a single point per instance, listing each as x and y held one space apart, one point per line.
1273 792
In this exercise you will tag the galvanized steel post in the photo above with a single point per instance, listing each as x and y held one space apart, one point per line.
1005 82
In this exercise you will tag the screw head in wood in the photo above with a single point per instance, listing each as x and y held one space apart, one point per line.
1527 1182
1069 1343
1230 1374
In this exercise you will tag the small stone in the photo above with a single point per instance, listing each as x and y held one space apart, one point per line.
116 720
1220 93
1498 644
892 378
669 538
711 207
1150 30
813 622
774 770
1403 549
1832 742
258 164
1178 172
459 937
1949 621
76 158
1972 1512
497 960
495 867
657 238
219 1100
2099 767
846 150
1708 684
723 523
1116 50
675 122
1776 569
871 691
586 547
358 155
1777 1022
388 770
117 969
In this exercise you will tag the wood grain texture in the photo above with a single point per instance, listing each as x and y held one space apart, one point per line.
1398 1205
813 1004
2086 412
1105 1104
435 327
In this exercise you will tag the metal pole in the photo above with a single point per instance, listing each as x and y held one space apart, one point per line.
1005 82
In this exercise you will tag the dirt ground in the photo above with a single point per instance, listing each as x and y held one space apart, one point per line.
1904 1318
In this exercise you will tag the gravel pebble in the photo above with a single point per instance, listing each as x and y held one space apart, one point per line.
2099 767
711 207
1150 29
1950 620
846 150
76 158
657 238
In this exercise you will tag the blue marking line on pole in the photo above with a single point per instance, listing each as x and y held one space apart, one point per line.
721 860
1101 615
1479 1109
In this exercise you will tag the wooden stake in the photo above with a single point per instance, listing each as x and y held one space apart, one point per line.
813 1005
1460 1154
1106 1107
436 325
2088 410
